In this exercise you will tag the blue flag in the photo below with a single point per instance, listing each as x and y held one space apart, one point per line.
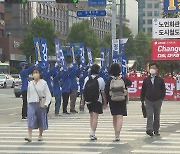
102 56
107 63
57 51
124 65
81 48
72 49
89 56
44 52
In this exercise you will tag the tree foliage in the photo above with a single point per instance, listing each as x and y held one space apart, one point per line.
81 32
38 28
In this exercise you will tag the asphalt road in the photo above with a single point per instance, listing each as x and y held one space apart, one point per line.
69 134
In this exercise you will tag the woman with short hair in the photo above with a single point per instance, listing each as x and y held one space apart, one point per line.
117 107
38 97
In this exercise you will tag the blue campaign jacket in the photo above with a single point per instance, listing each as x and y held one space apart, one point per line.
73 74
46 75
104 75
81 81
66 82
24 77
57 84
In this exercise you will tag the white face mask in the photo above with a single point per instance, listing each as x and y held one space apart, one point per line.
36 76
152 71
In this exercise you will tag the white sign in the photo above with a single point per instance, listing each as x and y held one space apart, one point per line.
115 45
166 28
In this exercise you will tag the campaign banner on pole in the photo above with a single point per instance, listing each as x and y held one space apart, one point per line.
62 59
102 56
37 46
166 28
107 62
44 52
56 41
82 53
166 49
72 48
124 65
115 50
122 45
171 5
89 56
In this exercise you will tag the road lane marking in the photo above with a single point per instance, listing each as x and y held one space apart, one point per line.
156 151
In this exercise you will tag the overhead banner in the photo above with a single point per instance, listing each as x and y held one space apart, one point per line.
166 28
89 56
166 49
171 5
81 48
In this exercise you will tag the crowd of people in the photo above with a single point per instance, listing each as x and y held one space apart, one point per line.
98 88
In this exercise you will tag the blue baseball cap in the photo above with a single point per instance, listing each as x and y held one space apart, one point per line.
22 64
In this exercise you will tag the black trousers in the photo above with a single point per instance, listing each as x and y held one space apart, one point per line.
65 97
24 106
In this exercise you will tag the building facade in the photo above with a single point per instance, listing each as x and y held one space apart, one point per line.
2 23
149 9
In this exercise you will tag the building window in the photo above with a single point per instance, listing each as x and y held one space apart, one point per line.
144 21
149 5
144 13
144 30
149 13
156 5
149 29
156 13
149 21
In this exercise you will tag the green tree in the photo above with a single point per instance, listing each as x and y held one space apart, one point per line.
38 28
81 32
106 42
130 47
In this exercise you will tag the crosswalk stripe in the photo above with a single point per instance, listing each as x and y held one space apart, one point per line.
65 138
41 145
170 138
66 142
165 142
165 147
156 151
45 152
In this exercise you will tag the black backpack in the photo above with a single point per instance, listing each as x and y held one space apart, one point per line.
91 90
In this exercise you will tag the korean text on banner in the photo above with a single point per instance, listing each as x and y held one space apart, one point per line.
170 84
44 51
57 51
124 65
107 62
102 56
166 28
81 48
89 56
62 59
166 49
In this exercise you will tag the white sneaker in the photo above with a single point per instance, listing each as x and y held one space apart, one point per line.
40 138
93 137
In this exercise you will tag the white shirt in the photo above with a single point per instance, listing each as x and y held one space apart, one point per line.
42 89
101 85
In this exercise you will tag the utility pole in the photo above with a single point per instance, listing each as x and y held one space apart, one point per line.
113 19
121 20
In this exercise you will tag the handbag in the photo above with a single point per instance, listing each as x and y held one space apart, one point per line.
42 99
143 107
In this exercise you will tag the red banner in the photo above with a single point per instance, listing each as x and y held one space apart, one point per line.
166 49
135 89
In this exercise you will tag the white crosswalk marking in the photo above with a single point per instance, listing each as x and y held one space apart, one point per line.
69 134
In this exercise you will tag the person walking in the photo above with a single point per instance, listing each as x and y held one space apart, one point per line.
116 92
24 74
152 93
94 97
38 97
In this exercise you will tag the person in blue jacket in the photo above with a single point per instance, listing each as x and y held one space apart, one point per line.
58 90
66 89
74 86
47 76
24 73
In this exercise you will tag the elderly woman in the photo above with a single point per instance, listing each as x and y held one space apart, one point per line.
38 97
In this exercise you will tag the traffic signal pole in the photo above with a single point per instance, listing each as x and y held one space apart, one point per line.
113 19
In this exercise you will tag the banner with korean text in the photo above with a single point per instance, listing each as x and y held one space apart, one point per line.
166 49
